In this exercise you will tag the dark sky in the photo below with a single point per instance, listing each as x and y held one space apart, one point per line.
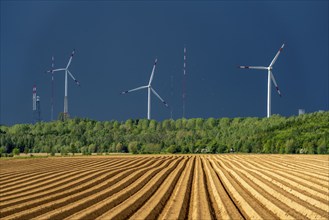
117 42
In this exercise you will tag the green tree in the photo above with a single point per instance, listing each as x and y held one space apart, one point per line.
210 123
133 147
92 148
73 149
199 123
119 147
152 125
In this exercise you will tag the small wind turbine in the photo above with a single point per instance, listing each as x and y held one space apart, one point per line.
66 69
269 77
149 89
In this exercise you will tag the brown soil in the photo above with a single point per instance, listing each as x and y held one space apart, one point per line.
166 187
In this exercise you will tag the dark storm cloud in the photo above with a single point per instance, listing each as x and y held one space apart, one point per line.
116 44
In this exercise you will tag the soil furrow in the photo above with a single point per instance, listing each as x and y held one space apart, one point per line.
292 165
221 202
37 208
125 209
154 205
177 207
299 187
243 200
65 188
311 180
17 183
199 203
39 184
120 194
276 192
226 186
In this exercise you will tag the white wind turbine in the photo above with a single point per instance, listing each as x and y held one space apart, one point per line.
149 89
66 69
269 77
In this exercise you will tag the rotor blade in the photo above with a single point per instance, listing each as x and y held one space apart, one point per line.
76 81
55 70
253 67
61 69
70 60
132 90
275 84
276 56
157 95
152 74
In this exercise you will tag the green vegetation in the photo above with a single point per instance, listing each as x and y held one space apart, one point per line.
308 133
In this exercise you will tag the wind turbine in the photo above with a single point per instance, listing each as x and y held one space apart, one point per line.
149 90
270 77
66 69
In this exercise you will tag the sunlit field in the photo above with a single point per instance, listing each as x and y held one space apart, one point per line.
224 186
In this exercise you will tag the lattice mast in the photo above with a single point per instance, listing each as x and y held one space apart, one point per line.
52 89
184 84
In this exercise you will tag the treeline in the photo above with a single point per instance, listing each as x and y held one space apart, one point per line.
308 133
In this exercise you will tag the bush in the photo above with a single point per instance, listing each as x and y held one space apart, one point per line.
64 151
2 150
151 148
26 150
15 151
290 147
171 149
322 149
222 148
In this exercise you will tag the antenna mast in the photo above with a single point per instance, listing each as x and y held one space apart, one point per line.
172 95
52 90
184 82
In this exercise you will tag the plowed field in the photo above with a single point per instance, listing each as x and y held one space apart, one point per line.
166 187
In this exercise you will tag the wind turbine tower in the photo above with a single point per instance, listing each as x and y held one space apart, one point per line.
149 90
270 77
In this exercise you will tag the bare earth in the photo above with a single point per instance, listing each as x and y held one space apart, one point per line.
166 187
